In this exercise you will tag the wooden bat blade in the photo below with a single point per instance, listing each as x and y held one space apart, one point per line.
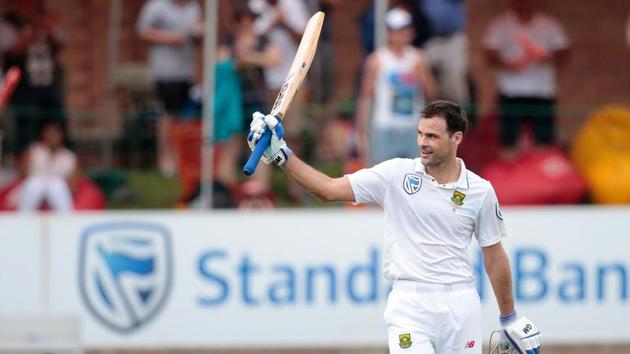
301 63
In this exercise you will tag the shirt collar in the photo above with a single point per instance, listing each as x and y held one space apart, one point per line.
461 183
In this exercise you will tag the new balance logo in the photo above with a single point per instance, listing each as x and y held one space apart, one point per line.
527 328
470 344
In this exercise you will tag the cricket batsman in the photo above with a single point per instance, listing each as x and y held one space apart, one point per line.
433 207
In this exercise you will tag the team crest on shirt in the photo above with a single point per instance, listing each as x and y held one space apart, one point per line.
458 198
404 340
412 183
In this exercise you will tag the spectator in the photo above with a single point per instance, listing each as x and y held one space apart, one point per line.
525 44
228 126
50 171
447 46
420 25
322 69
31 39
172 27
397 80
254 53
254 195
283 22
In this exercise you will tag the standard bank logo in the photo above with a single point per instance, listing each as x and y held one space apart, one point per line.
412 183
125 273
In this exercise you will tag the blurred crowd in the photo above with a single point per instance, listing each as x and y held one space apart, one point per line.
424 57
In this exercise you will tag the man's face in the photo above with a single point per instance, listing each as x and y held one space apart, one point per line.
402 37
52 136
436 145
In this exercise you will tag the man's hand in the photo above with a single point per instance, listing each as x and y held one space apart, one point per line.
523 334
277 151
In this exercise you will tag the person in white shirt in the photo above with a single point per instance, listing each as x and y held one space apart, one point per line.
433 206
525 45
173 28
50 169
395 84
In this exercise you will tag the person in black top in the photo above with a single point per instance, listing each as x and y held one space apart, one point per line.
32 41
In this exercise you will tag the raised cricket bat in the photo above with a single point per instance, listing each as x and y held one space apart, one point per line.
11 80
299 68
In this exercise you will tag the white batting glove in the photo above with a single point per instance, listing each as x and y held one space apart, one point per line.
277 151
522 333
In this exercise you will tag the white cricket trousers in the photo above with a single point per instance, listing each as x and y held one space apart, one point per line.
54 190
425 318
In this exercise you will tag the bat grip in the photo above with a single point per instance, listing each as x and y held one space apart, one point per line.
259 149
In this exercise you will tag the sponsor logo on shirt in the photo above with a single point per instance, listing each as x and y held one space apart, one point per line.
412 183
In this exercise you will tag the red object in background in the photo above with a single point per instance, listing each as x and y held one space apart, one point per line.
186 137
537 177
87 196
11 80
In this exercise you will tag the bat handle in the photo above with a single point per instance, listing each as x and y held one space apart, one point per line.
254 158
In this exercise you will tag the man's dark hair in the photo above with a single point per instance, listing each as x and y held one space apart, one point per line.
454 115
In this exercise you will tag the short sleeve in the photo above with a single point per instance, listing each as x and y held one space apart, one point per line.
149 16
558 37
489 226
369 185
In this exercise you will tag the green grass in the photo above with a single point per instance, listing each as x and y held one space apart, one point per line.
138 189
147 189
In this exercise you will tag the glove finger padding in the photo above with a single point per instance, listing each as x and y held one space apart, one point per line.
277 151
524 336
273 123
257 128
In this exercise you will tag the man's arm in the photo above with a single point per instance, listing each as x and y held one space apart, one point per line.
324 188
423 71
157 36
494 58
497 267
269 57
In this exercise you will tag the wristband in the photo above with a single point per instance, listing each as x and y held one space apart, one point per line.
508 318
282 158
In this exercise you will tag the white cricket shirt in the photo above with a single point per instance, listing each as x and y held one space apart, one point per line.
428 226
